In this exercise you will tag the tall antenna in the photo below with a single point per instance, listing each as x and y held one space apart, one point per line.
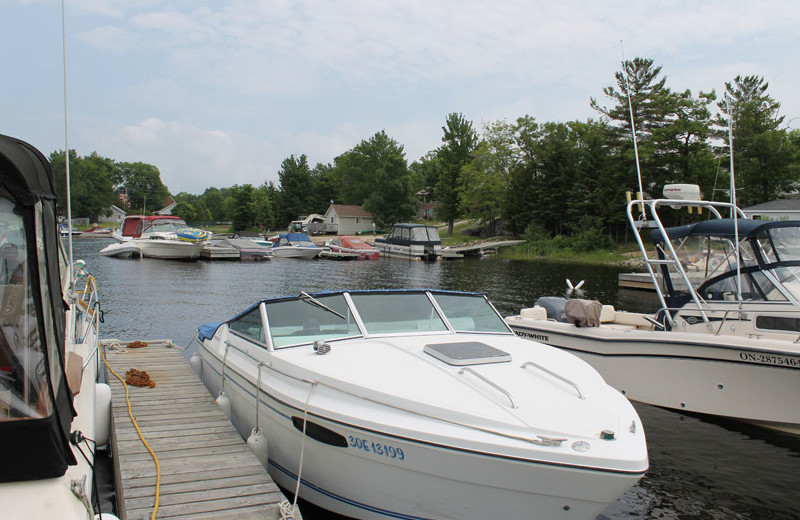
633 126
66 143
734 207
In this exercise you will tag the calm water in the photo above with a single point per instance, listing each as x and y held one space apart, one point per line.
699 468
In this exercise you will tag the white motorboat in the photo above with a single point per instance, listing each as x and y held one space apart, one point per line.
162 236
295 245
725 341
413 241
53 413
420 404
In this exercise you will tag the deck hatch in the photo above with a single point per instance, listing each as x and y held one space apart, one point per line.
467 353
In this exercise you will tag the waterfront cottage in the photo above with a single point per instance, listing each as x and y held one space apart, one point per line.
345 219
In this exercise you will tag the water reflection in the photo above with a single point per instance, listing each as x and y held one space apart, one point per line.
700 468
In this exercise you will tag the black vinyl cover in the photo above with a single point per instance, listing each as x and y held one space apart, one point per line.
38 448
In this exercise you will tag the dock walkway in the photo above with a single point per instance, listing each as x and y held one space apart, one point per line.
481 248
207 471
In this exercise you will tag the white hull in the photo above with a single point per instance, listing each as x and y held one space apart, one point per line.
295 252
169 249
448 478
730 376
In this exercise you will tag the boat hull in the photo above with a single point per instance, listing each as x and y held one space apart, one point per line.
369 474
727 376
412 252
295 252
169 249
122 250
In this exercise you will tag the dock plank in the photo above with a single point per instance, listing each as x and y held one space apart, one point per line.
207 471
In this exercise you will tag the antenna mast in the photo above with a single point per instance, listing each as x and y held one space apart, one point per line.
66 144
633 126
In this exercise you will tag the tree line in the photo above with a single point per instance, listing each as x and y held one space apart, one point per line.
522 177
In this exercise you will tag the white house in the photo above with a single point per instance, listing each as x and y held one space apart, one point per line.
781 209
115 216
344 219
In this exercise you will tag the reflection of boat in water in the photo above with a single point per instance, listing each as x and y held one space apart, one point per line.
48 352
414 241
421 404
725 339
160 236
295 245
353 246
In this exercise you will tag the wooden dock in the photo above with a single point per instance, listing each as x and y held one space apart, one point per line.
480 248
207 471
641 281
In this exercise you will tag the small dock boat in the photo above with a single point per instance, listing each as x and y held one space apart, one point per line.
352 246
412 241
421 404
295 245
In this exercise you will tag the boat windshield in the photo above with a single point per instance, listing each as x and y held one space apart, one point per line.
304 320
164 226
397 313
24 381
470 313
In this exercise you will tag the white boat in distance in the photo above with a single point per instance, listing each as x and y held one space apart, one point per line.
160 236
421 404
412 241
725 341
48 353
295 245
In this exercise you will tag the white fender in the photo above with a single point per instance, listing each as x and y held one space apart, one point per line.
106 516
224 402
102 414
257 442
197 364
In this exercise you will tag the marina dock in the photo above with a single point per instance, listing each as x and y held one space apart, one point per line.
479 248
641 281
207 471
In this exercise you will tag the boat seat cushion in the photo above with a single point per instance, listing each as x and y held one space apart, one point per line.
607 314
536 313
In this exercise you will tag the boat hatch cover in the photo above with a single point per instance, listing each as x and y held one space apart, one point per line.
467 353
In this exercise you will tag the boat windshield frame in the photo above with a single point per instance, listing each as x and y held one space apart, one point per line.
280 323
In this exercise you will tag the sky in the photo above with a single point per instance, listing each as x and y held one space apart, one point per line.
217 93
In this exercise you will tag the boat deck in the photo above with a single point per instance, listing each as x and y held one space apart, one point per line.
207 471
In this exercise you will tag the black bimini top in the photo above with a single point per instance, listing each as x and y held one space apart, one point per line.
723 227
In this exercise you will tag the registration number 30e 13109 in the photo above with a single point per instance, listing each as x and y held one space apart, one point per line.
384 450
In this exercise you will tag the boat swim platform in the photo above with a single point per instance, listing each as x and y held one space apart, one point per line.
207 470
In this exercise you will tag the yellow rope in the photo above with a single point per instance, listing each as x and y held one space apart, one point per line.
141 436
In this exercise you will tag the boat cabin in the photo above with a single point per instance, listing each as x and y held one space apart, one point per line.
135 226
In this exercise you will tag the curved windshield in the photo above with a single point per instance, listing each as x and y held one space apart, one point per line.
24 391
470 313
304 320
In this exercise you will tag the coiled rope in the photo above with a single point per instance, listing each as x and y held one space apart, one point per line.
116 345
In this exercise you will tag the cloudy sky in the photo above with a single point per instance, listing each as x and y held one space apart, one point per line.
219 93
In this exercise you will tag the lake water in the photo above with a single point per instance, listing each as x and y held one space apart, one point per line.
700 468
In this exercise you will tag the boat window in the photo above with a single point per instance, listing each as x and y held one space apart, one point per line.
470 313
787 242
249 325
789 277
24 381
778 323
405 234
301 321
394 313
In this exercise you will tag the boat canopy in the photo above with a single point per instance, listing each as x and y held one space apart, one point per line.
35 402
724 227
334 315
407 234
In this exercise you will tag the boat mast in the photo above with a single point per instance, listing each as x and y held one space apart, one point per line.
633 128
66 145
